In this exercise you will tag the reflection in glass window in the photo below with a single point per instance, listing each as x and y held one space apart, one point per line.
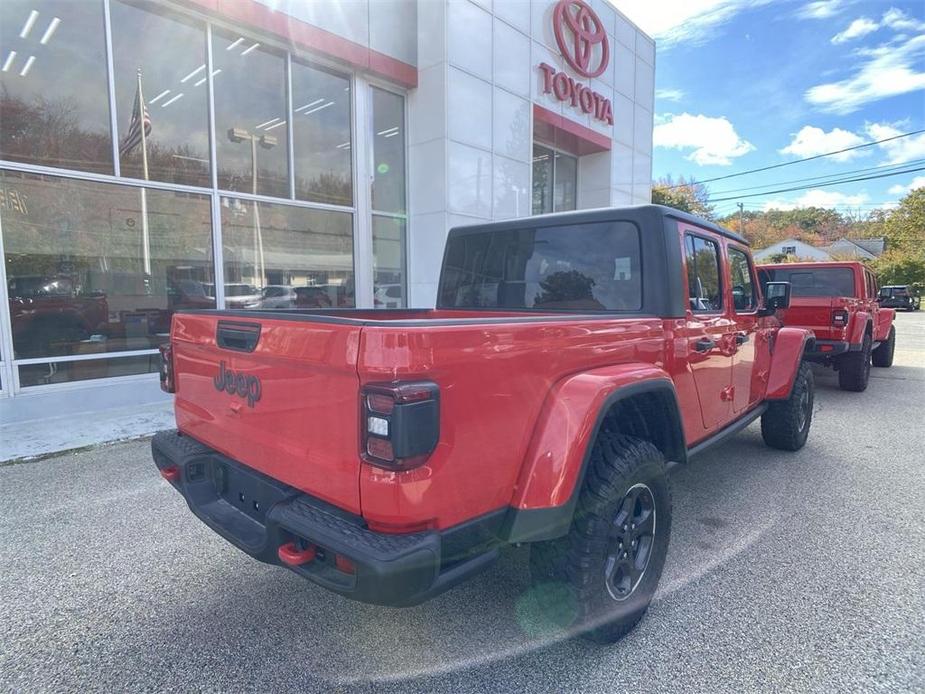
166 57
251 138
54 99
744 297
321 136
388 151
703 283
565 182
87 369
542 179
87 273
555 181
587 267
388 262
282 256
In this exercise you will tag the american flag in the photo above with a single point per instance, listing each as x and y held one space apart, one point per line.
133 136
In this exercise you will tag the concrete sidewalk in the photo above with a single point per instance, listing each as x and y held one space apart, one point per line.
36 437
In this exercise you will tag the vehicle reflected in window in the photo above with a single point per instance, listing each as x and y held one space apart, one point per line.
388 262
283 256
87 273
54 99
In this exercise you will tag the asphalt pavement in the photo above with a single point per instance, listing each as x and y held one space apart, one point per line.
786 572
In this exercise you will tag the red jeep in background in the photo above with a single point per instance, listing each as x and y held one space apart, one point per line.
387 455
838 302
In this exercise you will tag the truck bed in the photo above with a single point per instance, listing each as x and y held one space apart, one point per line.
494 370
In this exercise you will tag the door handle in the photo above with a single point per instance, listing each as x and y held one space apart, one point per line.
741 338
704 344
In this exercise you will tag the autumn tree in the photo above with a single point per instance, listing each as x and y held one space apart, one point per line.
686 195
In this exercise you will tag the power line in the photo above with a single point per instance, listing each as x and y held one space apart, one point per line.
799 161
821 179
830 183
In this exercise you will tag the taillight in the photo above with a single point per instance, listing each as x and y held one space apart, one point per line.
168 382
839 318
400 423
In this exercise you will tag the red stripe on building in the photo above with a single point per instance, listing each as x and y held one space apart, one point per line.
567 135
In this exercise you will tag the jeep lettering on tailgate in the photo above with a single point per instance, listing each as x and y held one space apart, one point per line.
237 383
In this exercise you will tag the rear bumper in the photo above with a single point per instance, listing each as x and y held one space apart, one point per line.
824 350
259 515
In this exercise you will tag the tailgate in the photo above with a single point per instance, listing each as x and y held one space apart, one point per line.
293 411
813 313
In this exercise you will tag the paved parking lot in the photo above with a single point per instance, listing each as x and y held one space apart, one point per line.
785 572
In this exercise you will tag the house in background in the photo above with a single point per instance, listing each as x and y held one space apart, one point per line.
856 249
793 247
862 249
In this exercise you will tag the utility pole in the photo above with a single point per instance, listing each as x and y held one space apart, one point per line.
741 218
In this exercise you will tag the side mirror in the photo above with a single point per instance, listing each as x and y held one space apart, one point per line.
776 297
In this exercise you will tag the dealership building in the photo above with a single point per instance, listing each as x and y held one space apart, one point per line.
156 156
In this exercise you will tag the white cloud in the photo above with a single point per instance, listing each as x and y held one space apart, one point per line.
811 141
818 198
889 70
713 140
899 189
669 94
897 151
900 21
682 21
858 28
822 9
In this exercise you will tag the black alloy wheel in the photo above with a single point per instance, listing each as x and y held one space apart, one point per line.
632 537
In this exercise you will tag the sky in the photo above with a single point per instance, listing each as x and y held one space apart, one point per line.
745 84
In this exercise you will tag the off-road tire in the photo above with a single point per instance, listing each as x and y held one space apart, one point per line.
854 368
883 355
574 576
785 424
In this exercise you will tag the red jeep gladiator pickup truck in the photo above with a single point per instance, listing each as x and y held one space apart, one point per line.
387 455
838 302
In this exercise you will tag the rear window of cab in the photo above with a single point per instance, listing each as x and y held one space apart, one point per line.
584 267
828 281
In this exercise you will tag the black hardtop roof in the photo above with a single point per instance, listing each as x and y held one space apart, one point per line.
637 213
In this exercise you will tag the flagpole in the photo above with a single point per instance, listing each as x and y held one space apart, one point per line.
145 237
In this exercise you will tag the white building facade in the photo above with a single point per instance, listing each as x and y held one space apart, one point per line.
170 154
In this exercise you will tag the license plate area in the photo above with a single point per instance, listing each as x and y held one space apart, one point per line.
244 491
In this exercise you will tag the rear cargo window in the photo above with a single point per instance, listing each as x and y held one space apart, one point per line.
827 281
585 267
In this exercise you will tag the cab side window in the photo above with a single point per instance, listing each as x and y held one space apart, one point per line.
744 297
703 274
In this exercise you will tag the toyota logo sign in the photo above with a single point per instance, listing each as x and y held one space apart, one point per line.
578 30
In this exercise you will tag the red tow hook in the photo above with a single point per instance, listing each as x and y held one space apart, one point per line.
171 474
293 556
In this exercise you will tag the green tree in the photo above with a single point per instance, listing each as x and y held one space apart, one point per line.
904 227
685 195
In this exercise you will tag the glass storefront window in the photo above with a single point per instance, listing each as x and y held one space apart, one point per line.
555 181
542 180
388 191
251 116
388 262
47 373
54 99
174 88
321 136
283 256
88 272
